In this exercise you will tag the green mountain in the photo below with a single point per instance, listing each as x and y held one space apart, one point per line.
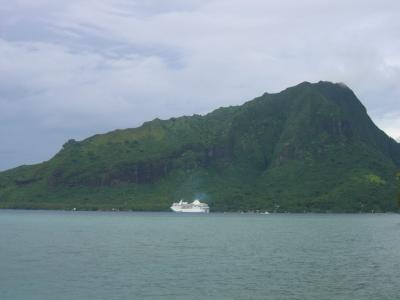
311 147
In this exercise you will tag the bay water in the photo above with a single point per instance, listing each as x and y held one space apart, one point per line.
132 255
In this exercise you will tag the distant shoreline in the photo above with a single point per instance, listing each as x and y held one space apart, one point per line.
212 212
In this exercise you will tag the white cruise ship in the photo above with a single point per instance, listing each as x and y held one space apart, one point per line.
195 207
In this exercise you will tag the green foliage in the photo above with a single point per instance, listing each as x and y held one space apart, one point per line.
398 189
372 178
311 147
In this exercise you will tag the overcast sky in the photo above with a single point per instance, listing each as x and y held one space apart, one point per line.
73 68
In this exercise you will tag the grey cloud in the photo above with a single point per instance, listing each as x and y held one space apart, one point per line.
69 69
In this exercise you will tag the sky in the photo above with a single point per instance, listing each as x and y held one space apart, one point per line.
74 68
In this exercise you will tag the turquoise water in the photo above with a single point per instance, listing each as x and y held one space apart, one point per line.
99 255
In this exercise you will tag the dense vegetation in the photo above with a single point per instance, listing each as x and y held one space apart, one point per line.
311 147
398 189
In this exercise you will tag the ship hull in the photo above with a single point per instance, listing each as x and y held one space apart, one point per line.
190 210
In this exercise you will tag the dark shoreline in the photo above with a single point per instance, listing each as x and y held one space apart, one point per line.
213 212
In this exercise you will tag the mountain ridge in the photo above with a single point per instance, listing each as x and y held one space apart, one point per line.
244 157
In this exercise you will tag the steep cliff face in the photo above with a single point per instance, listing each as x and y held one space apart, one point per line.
311 147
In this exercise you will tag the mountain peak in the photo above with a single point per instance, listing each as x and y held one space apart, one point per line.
338 87
323 83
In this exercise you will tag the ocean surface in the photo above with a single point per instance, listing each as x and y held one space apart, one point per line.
127 255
